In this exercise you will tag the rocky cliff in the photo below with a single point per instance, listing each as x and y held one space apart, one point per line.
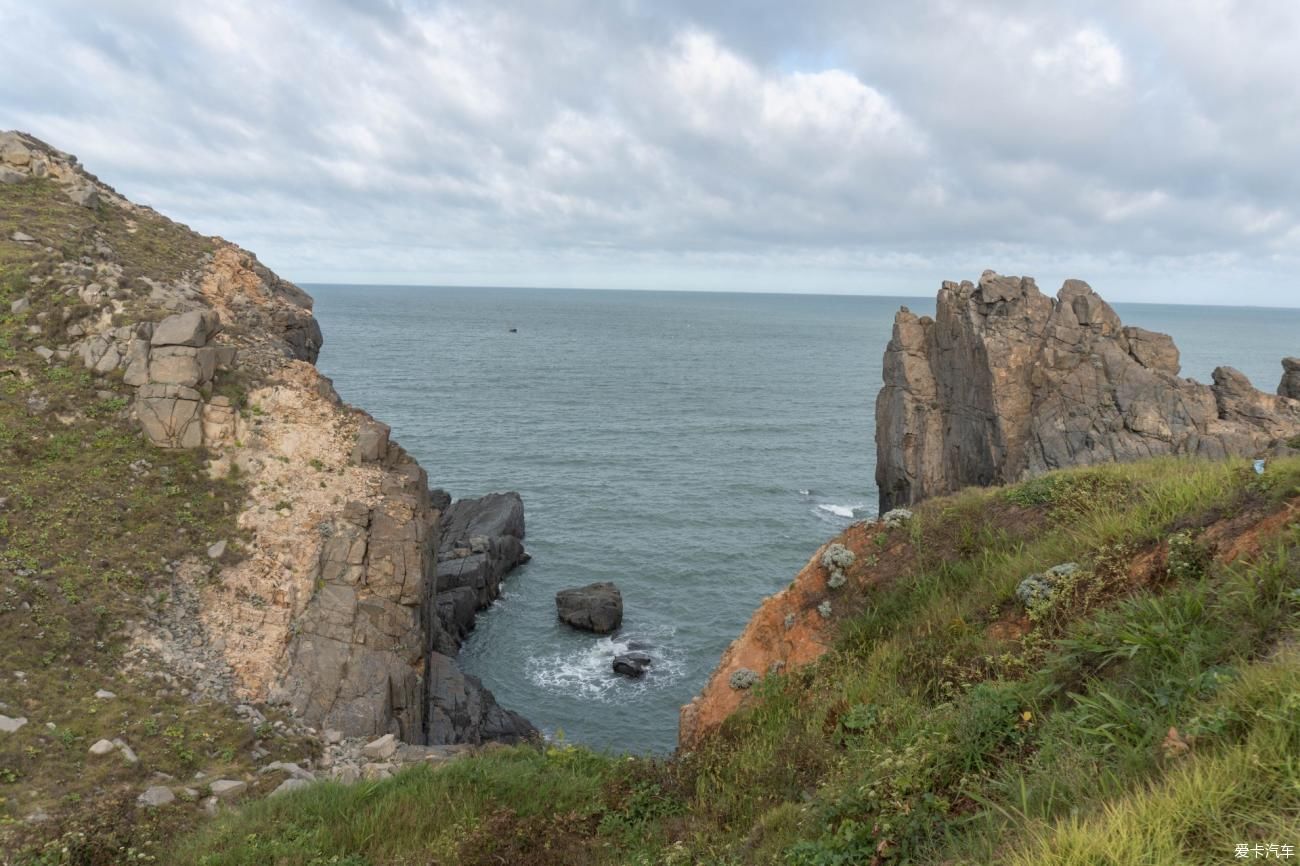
1005 382
324 601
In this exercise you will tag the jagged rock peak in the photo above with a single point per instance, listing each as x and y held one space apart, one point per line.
1005 382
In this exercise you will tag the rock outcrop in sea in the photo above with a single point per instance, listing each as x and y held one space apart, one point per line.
328 602
1006 383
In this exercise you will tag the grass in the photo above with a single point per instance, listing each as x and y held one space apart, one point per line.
1148 713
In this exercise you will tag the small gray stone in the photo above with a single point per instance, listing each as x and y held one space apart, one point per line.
226 789
333 737
105 695
218 550
19 306
290 785
377 772
9 726
44 352
380 749
22 238
128 754
286 767
8 175
101 748
158 795
83 195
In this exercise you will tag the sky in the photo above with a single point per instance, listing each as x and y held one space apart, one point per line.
1150 147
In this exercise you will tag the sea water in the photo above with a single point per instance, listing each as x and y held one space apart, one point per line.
694 448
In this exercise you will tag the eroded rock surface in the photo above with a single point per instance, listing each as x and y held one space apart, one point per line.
482 540
1005 383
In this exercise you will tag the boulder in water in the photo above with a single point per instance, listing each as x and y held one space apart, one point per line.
632 664
596 607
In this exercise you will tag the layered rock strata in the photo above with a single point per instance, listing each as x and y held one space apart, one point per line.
324 602
1005 383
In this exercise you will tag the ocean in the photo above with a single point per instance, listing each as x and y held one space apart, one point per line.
694 448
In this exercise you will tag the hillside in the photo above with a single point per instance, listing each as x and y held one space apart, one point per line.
1144 710
217 578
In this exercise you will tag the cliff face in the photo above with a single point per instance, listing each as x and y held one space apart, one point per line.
1005 382
321 604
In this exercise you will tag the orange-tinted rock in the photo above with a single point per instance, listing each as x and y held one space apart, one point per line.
786 632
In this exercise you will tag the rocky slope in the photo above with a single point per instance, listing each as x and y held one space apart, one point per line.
323 600
1006 383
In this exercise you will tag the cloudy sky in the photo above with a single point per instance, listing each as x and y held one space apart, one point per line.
1151 147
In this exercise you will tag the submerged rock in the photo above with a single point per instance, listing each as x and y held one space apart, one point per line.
632 664
595 607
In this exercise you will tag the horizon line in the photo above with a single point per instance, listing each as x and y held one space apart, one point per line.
740 292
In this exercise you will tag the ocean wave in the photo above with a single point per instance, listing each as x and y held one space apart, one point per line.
587 671
840 510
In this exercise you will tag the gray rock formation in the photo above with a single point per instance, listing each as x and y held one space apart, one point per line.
1006 383
595 607
354 663
460 710
481 542
1290 385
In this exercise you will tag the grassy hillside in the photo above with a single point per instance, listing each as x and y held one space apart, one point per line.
1148 712
93 523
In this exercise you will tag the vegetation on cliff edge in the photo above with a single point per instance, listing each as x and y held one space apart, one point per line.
1148 712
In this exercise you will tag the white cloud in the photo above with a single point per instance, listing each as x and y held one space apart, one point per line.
840 145
1086 62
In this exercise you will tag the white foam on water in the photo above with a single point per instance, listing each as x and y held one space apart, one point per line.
587 671
839 510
